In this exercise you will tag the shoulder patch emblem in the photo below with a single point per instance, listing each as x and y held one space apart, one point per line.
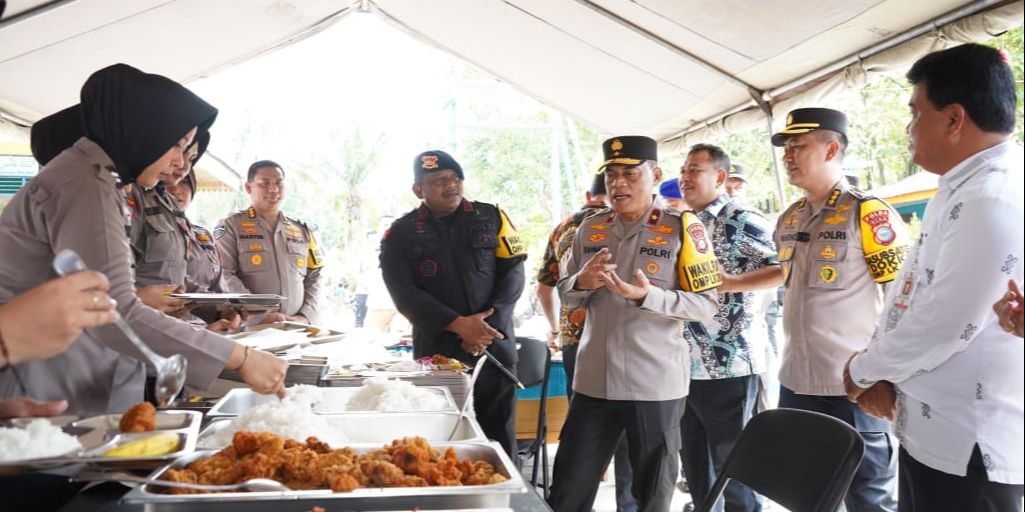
697 233
879 220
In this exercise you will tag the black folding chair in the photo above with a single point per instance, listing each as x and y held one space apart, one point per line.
532 369
803 460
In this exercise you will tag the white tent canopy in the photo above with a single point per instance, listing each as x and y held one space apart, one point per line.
659 67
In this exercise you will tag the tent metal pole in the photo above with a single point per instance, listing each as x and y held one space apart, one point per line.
936 23
766 109
33 12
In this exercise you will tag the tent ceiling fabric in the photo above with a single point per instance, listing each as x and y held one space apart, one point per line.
656 67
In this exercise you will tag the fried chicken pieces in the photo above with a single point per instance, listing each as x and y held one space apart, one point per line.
141 417
407 462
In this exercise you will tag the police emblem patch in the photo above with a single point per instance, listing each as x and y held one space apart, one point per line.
300 262
256 260
879 220
597 237
785 253
835 219
828 252
651 267
657 241
429 162
697 233
428 268
827 274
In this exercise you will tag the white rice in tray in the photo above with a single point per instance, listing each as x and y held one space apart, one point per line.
381 394
291 418
39 438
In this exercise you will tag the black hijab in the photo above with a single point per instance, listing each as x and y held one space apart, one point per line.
56 132
136 117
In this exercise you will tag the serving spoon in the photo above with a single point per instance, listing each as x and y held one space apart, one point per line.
251 485
170 370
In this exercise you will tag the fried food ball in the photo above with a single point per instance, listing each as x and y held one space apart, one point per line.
142 417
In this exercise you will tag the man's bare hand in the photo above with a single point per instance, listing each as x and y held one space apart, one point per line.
25 407
43 321
879 400
637 289
225 326
158 297
853 390
474 333
1009 310
590 277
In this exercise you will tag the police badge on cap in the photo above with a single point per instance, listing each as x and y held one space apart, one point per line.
628 150
804 120
736 171
435 160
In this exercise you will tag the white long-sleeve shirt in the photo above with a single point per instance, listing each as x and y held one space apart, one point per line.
960 377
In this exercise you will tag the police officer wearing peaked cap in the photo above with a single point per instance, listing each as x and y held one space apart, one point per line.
838 246
640 271
454 268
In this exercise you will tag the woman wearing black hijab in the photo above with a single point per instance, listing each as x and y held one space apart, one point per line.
136 127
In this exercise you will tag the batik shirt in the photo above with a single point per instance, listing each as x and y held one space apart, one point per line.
571 321
958 374
733 343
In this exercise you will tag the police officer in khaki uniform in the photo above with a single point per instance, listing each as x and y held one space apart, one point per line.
203 268
263 251
641 272
77 202
837 247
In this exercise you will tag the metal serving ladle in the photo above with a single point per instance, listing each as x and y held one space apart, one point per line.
469 394
251 485
170 370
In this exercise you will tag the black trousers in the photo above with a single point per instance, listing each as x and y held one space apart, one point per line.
494 400
589 438
569 362
717 411
625 501
925 489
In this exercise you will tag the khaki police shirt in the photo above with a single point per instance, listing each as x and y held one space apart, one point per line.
74 204
159 237
203 272
257 257
831 302
632 351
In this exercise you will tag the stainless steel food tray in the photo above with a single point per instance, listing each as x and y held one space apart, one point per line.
240 400
393 498
382 428
98 434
